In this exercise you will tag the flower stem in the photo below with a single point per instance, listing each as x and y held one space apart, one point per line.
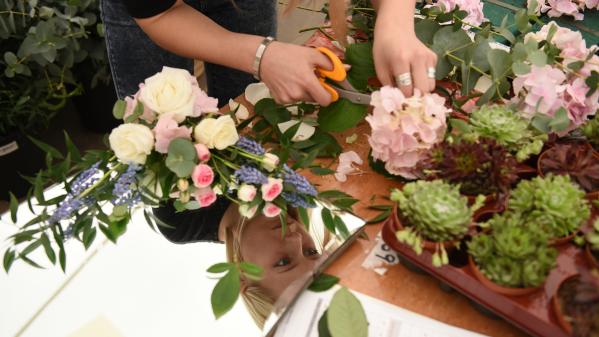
104 177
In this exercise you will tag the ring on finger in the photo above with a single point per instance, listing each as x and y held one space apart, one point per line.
404 79
431 72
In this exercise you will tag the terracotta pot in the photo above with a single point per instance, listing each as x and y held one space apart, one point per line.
588 255
431 246
592 195
495 287
557 308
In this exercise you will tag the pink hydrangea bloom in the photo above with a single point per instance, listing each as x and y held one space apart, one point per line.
474 8
404 129
541 89
580 106
166 130
203 102
557 8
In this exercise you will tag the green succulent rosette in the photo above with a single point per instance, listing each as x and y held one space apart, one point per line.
508 128
513 255
553 202
591 131
433 211
592 237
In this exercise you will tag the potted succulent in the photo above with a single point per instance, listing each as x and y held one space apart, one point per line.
511 259
576 304
554 202
433 215
591 249
577 160
506 127
479 167
40 42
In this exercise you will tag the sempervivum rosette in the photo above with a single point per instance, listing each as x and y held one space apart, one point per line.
404 129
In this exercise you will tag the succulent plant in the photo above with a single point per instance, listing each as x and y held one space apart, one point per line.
433 211
481 167
554 202
592 237
591 131
513 255
508 128
573 159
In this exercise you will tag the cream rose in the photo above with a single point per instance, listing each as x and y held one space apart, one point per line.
131 143
169 91
217 133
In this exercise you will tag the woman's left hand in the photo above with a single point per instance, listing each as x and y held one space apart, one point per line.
398 51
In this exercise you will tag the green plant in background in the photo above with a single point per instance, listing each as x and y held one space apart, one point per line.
433 211
513 255
506 126
591 131
554 202
41 42
592 237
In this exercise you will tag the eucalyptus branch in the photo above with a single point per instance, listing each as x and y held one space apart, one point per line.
473 67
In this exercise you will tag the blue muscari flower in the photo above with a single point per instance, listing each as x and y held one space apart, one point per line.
250 146
296 200
122 191
72 202
301 184
250 175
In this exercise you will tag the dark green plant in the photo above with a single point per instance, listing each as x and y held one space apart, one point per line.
592 237
433 211
505 126
41 42
554 202
591 131
513 255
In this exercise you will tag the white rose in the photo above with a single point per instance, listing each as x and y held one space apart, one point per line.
242 112
169 91
247 212
246 192
270 161
217 133
131 143
304 132
256 91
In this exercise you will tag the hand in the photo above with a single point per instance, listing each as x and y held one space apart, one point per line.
288 71
397 51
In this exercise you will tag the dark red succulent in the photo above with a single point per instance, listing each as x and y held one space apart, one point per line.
578 160
579 302
482 167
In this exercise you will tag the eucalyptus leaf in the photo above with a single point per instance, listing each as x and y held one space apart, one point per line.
118 110
346 316
182 157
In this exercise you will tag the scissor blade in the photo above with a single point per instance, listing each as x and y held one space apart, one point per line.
354 96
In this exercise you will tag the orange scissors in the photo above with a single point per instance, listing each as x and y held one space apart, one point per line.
338 74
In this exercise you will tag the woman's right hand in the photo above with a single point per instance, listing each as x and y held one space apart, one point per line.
288 71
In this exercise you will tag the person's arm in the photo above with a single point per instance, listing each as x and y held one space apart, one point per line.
397 50
288 70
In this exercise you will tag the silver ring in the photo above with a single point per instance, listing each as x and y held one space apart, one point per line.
430 72
404 79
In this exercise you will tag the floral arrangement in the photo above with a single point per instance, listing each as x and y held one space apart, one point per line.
562 84
473 8
513 255
556 204
506 127
433 211
482 167
175 147
405 129
557 8
579 161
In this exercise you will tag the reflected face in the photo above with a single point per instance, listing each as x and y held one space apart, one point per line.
283 258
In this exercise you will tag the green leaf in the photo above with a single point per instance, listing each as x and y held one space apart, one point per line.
359 56
14 207
446 41
118 110
323 326
521 19
225 293
271 111
89 235
303 214
520 68
9 258
381 217
182 157
253 271
322 171
560 121
48 248
10 58
220 267
72 148
138 111
30 262
346 316
341 228
327 219
341 115
500 62
576 66
333 194
538 58
460 125
323 282
541 123
62 257
52 151
425 30
31 247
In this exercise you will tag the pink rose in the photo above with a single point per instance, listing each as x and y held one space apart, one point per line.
203 103
205 196
246 192
272 189
203 152
167 130
202 176
271 210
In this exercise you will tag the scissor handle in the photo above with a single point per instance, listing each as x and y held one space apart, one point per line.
330 90
338 72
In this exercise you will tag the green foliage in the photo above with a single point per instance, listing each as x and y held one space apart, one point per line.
340 115
512 254
433 211
182 157
507 127
323 282
346 316
41 43
591 131
554 203
592 236
226 292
